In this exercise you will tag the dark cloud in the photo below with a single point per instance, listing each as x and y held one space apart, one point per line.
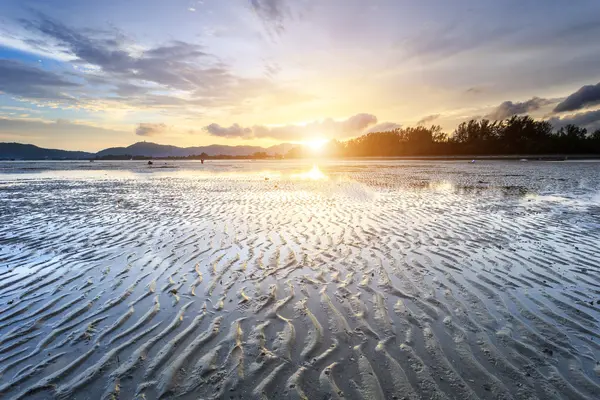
126 89
233 131
508 108
167 65
148 79
22 80
100 51
176 50
428 119
589 120
149 129
176 65
585 96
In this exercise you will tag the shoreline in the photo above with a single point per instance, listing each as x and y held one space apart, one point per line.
502 157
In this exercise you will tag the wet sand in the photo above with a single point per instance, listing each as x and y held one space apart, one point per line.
342 280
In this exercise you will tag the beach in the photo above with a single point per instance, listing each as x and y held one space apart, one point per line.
374 279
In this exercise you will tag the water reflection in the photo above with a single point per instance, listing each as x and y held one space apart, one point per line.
270 170
476 188
315 174
509 180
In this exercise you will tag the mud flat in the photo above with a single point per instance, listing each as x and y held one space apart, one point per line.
346 279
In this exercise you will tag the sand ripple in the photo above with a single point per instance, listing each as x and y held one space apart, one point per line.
372 280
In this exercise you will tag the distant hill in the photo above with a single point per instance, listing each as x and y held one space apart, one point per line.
150 149
19 151
282 148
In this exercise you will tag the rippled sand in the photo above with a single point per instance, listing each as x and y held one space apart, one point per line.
374 280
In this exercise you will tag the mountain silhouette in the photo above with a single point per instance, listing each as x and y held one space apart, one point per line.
21 151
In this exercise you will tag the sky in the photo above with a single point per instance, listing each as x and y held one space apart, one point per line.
86 75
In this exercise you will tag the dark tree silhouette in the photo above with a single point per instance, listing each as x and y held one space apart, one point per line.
518 135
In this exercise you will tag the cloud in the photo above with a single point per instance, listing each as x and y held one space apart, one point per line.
272 69
272 13
474 90
128 89
326 128
448 39
22 80
384 127
234 131
148 129
589 120
358 122
428 119
586 95
508 108
177 49
16 128
172 65
104 51
176 73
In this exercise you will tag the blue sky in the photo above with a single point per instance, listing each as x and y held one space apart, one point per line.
88 75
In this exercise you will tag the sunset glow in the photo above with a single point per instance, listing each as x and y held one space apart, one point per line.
316 145
299 199
87 76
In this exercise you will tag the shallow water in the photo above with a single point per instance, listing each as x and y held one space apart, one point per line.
340 279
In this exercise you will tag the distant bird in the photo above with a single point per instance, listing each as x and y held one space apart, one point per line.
150 162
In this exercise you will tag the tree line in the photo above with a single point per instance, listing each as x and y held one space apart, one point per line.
518 135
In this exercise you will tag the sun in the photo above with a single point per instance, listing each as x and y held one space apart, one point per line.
316 144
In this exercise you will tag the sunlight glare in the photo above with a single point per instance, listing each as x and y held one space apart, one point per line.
314 174
316 144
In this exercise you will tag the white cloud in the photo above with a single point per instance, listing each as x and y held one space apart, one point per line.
327 128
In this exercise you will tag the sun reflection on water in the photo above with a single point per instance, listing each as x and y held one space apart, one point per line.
314 174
